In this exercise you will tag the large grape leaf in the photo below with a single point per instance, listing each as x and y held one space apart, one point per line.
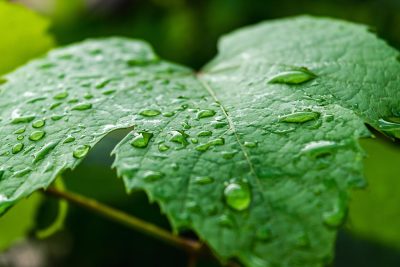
256 153
23 36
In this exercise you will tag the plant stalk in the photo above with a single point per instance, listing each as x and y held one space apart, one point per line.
190 246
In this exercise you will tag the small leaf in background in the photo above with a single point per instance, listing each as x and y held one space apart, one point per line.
23 36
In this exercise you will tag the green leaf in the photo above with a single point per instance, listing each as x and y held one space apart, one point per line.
23 36
256 153
16 223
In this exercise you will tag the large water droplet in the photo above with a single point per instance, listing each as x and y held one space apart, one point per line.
36 135
81 151
152 176
237 195
300 117
42 153
141 139
179 137
319 148
23 119
82 106
205 113
17 148
203 180
61 95
299 76
150 112
38 123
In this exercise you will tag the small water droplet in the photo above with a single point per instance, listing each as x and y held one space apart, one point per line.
81 151
300 117
61 96
194 140
204 133
237 195
218 124
82 106
23 119
88 96
20 137
109 92
390 126
319 148
141 139
56 117
36 99
36 135
42 153
150 112
203 180
20 130
205 113
103 83
163 147
17 148
38 123
152 176
168 114
229 154
73 100
179 137
299 76
69 139
250 144
336 216
22 172
55 105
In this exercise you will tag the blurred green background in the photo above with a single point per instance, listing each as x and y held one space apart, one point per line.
187 32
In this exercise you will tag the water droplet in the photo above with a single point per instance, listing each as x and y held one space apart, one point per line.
299 76
103 84
319 148
81 151
20 137
141 139
36 135
17 148
206 146
186 125
42 153
23 119
82 106
73 100
219 124
205 113
336 216
228 154
204 133
22 172
250 144
88 96
203 180
194 140
61 96
55 105
38 123
36 99
390 126
69 139
152 176
264 233
163 147
150 112
237 195
20 130
168 114
179 137
109 92
300 117
57 117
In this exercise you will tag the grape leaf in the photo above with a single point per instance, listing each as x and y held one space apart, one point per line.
256 153
20 43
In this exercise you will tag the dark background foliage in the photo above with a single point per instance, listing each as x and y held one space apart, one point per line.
184 31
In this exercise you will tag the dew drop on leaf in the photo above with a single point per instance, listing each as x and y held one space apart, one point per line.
42 153
17 148
36 135
319 148
150 112
81 151
390 126
152 176
218 124
23 119
163 147
335 217
56 117
61 95
203 180
20 130
69 139
299 76
205 113
38 123
168 114
300 117
204 133
141 139
250 144
20 137
237 195
179 137
82 106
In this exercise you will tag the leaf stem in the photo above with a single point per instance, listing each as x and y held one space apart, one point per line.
191 246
